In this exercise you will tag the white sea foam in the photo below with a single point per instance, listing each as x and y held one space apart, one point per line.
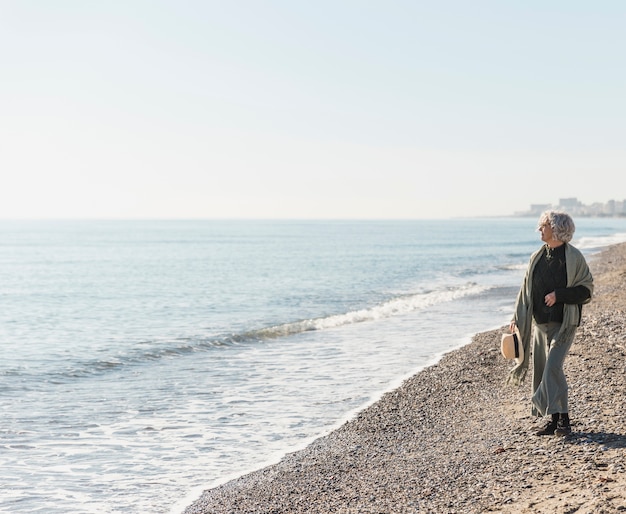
596 243
394 307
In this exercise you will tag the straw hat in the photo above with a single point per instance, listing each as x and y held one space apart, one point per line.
512 347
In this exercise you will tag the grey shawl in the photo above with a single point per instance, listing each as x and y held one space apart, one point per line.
578 274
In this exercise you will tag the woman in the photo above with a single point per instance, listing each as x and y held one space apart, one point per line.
556 285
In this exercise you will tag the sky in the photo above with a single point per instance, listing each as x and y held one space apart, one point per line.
390 109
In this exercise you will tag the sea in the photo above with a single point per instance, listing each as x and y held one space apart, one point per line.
142 362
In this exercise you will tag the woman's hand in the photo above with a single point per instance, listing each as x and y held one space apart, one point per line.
512 326
550 299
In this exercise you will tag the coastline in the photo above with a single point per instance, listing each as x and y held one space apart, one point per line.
454 438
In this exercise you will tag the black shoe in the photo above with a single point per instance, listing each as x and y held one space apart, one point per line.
563 427
549 429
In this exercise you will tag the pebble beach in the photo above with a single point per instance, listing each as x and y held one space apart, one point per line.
455 439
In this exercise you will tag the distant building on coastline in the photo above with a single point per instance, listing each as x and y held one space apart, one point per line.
610 209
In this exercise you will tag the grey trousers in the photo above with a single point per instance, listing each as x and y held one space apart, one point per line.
549 385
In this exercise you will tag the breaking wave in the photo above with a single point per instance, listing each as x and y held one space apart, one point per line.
148 351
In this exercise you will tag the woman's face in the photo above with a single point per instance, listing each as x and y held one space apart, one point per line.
546 232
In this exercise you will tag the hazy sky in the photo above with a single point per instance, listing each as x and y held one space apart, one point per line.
316 109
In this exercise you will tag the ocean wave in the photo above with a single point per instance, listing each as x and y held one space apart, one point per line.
396 306
514 267
149 351
595 243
